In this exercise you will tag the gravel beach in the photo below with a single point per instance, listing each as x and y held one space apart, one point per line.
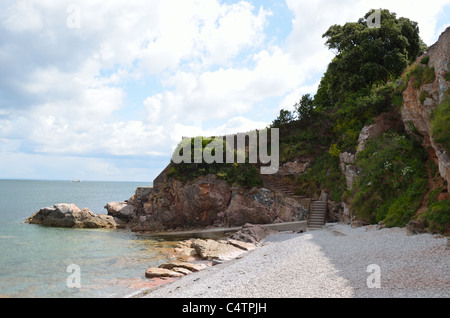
337 261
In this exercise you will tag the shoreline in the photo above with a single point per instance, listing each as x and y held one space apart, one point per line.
336 261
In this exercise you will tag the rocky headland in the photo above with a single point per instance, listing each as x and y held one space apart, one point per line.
205 202
71 216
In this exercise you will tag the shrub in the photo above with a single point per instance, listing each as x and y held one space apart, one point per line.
437 217
324 174
397 99
424 60
447 76
392 181
422 75
334 150
243 174
402 209
283 118
433 196
440 128
423 95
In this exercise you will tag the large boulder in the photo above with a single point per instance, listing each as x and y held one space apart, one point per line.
69 215
216 250
122 211
252 233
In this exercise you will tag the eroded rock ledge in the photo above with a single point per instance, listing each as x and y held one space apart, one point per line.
202 203
195 255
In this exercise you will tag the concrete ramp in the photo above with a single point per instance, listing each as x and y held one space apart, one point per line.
217 233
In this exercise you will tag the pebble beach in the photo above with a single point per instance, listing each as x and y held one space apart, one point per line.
336 261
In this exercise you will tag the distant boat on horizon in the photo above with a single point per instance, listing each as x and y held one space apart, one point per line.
76 181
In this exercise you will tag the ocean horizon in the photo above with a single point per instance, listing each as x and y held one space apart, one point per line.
35 260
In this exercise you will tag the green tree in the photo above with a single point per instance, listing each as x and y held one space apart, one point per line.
305 107
285 117
368 55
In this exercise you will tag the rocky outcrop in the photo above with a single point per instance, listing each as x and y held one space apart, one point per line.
350 171
440 60
195 255
292 168
216 250
69 215
415 227
383 123
416 115
122 212
252 233
205 202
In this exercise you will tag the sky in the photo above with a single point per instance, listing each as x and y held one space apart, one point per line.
104 90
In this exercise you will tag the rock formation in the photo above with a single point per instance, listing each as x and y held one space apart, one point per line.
252 233
69 215
195 255
204 202
418 113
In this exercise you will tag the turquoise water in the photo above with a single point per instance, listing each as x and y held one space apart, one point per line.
34 259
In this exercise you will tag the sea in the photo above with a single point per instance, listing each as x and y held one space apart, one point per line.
47 262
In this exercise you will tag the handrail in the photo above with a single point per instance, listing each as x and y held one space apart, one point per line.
309 206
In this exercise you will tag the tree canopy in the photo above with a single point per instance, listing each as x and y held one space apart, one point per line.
367 55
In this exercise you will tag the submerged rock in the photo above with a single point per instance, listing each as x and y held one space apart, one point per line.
69 215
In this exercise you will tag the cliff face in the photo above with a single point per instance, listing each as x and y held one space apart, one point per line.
201 203
417 112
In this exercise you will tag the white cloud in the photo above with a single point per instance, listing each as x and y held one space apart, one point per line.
227 91
232 126
23 16
62 90
66 167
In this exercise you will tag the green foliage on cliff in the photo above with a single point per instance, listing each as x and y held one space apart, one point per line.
360 84
447 76
393 180
242 174
283 118
440 124
324 174
308 136
358 110
357 85
437 217
365 79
